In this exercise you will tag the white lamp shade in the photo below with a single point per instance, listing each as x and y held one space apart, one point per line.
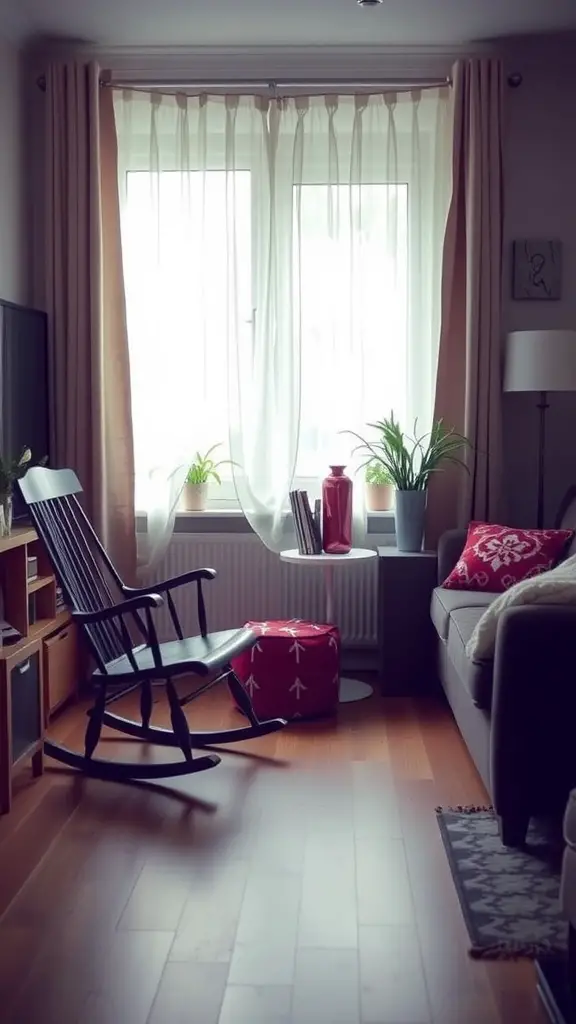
540 361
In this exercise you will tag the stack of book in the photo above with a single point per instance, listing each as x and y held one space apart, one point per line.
306 523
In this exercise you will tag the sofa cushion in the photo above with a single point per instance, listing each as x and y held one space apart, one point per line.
556 587
444 602
475 676
496 557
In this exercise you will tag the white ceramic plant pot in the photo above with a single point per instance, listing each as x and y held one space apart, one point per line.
379 497
194 497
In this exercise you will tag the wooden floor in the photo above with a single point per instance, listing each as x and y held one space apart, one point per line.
307 883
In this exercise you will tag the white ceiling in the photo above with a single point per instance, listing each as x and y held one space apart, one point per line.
283 22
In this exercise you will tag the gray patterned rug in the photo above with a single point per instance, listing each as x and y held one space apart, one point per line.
509 898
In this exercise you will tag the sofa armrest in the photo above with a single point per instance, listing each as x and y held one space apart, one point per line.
533 730
450 547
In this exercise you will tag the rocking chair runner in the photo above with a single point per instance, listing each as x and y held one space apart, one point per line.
89 579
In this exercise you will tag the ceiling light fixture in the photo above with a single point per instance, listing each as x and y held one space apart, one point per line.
369 3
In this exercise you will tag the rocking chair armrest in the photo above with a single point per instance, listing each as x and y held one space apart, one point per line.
144 600
175 581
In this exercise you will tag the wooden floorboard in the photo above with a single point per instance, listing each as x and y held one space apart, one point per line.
302 880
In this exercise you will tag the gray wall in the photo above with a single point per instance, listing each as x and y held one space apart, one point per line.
540 202
13 235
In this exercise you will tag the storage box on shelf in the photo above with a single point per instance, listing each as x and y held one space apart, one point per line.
40 672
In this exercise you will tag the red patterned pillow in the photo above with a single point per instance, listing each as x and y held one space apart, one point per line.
496 557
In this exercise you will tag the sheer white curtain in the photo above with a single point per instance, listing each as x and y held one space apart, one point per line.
282 264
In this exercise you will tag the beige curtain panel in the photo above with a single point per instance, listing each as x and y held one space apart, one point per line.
468 387
84 297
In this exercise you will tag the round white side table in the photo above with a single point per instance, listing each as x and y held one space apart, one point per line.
350 689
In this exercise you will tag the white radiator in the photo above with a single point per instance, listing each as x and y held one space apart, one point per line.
253 583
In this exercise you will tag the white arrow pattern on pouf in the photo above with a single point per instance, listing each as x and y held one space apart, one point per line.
263 627
298 685
256 647
251 685
296 647
332 642
288 629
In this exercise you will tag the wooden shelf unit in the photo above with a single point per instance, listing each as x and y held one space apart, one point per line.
40 672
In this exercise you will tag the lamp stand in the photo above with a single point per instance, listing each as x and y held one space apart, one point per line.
542 406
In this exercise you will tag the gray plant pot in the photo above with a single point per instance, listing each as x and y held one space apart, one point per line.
409 514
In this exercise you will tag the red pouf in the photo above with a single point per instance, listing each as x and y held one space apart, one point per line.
293 670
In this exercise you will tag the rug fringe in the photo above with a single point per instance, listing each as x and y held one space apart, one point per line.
515 951
466 809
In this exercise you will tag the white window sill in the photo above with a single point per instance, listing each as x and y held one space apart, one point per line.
233 520
235 512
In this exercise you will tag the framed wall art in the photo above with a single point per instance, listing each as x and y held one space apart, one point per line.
537 269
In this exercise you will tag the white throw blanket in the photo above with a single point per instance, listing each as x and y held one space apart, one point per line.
557 586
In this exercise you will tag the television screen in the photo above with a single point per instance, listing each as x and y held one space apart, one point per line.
23 386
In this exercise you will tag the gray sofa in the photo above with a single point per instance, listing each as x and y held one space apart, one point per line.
517 714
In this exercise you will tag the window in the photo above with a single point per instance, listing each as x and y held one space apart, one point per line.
282 267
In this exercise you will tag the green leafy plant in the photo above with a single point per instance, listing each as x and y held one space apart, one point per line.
204 468
410 461
377 474
14 469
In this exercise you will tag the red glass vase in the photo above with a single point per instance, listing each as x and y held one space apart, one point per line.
337 512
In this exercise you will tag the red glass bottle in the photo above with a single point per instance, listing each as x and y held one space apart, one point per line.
337 512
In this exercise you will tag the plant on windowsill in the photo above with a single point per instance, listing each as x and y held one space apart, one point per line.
10 471
379 488
410 462
195 491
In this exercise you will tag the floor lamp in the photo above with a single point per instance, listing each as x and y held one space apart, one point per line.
540 361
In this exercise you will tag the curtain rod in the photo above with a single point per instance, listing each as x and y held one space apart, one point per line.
205 85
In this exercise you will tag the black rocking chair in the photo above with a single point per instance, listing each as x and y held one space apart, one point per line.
88 579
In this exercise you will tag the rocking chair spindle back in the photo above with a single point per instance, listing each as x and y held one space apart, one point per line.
83 568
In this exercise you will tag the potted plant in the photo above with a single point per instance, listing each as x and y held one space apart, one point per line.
195 490
379 487
10 471
410 462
